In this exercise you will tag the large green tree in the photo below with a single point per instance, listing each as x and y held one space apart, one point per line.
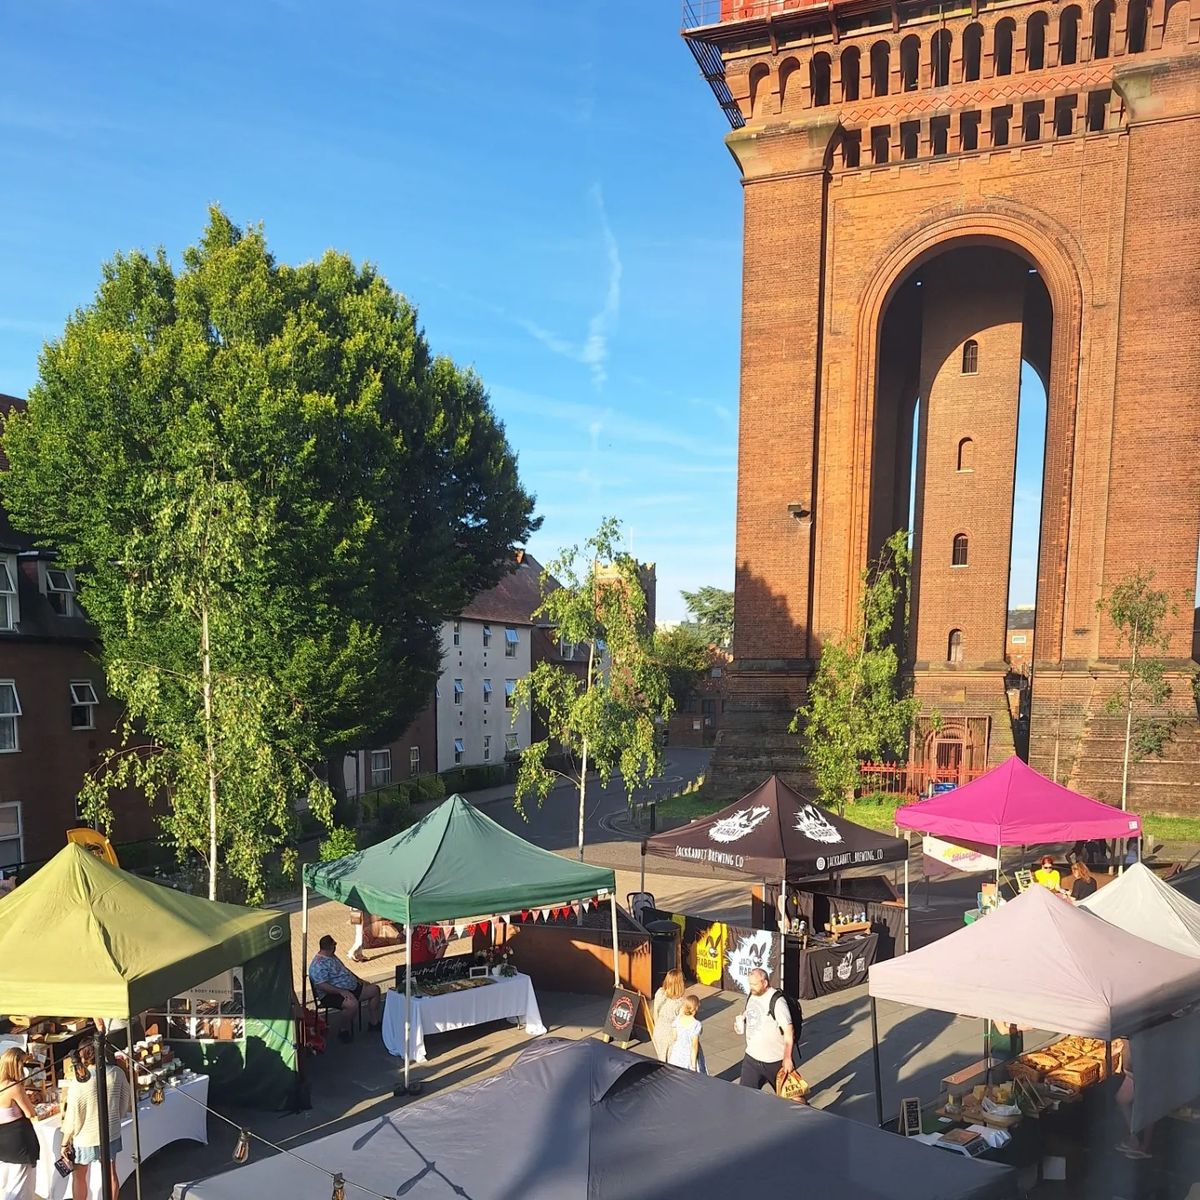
365 483
605 719
855 709
685 656
711 612
1138 611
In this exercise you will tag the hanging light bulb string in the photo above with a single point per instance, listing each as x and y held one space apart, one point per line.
336 1178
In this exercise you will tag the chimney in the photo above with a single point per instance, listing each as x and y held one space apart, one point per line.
520 557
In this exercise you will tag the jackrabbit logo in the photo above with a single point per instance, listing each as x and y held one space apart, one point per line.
845 968
813 823
751 952
710 955
731 829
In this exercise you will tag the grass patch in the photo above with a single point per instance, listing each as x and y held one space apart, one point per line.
875 814
687 806
1173 829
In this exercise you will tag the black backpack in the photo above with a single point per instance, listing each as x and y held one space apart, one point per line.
797 1015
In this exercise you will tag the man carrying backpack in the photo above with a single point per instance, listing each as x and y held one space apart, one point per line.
767 1026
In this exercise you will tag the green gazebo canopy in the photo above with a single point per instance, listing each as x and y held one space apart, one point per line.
82 938
455 862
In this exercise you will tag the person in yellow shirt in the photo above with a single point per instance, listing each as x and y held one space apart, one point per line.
1046 875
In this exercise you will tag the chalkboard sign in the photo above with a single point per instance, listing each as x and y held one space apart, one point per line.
910 1116
621 1018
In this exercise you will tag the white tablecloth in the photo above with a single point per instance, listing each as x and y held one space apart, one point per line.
175 1119
509 999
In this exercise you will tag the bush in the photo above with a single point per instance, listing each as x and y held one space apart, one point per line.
429 787
340 842
394 813
454 780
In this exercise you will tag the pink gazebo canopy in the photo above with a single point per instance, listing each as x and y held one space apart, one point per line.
1012 805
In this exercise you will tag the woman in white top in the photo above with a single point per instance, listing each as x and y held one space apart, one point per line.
18 1143
668 1001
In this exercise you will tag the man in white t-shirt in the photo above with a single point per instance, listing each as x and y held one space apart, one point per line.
768 1035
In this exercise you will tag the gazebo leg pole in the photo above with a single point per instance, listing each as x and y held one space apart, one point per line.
612 903
875 1059
408 974
303 948
133 1104
106 1133
906 898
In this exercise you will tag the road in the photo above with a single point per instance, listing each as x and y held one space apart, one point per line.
555 825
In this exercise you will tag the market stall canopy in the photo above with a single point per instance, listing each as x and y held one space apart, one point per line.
1187 883
773 832
1012 805
1140 903
599 1123
1041 963
455 862
81 938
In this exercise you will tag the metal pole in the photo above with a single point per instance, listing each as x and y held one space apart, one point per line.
304 946
616 952
906 898
102 1107
133 1104
997 874
408 974
642 882
875 1059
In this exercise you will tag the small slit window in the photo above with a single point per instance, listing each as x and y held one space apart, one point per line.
970 357
966 455
954 646
958 554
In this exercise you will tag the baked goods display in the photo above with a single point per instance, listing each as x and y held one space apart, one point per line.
1068 1066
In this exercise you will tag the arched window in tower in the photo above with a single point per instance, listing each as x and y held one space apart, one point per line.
958 555
966 454
970 357
1002 46
954 646
939 56
1102 23
910 63
972 42
1035 41
1068 36
818 80
881 68
1136 21
851 72
759 88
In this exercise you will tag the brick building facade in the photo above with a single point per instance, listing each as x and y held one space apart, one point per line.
1011 174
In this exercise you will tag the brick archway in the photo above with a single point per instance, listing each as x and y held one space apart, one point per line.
1023 235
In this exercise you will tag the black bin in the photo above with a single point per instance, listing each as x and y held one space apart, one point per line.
664 950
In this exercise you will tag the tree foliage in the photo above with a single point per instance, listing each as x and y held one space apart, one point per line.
854 711
685 656
357 489
711 610
604 719
1138 611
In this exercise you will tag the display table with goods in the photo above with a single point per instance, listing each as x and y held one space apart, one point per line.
172 1110
459 1004
818 966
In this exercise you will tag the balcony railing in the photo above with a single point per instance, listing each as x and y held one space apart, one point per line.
698 13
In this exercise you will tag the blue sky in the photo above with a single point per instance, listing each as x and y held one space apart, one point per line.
545 180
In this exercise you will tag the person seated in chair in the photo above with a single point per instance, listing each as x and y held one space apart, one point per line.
338 987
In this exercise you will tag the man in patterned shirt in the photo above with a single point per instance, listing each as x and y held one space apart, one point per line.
341 988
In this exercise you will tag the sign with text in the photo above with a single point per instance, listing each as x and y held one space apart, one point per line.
621 1019
969 857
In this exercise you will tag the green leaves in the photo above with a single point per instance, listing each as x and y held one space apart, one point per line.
605 718
711 610
854 711
278 446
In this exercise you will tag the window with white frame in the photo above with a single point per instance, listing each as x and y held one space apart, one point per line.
510 743
487 636
487 747
381 768
8 592
11 851
458 691
566 650
10 714
510 691
458 750
487 691
83 704
60 591
458 633
510 642
414 760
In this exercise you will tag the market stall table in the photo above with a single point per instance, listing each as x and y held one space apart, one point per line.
501 999
824 967
176 1119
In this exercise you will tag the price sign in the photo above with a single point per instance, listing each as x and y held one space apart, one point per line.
910 1116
